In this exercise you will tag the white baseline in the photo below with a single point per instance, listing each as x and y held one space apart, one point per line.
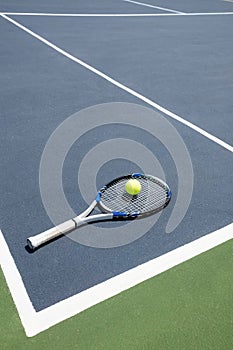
114 14
123 87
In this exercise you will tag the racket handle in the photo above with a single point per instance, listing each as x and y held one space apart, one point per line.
35 241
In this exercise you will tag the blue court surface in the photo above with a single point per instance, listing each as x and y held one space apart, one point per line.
171 60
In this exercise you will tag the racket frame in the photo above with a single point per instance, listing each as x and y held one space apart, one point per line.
84 218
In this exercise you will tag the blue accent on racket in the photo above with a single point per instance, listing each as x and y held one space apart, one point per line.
119 214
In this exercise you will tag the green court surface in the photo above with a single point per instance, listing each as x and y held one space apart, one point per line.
187 307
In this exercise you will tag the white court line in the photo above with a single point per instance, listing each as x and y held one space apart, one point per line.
228 0
208 13
154 7
36 322
18 291
88 14
123 87
114 14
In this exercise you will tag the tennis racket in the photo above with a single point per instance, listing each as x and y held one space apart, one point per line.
114 203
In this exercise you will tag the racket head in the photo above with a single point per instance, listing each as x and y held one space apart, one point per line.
154 196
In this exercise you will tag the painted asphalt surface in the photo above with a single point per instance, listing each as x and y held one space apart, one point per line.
73 6
188 73
113 6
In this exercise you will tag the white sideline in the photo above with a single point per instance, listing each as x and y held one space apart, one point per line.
36 322
153 6
16 286
114 14
123 87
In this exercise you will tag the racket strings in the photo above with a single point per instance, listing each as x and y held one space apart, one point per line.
153 196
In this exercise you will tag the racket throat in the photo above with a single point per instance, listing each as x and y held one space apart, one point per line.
79 221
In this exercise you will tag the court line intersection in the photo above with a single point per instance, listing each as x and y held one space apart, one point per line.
153 6
37 322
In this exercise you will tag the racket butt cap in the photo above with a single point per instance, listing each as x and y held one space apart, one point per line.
30 245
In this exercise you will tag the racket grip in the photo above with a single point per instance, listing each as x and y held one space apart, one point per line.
35 241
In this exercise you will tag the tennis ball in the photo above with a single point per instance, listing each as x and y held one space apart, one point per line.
133 187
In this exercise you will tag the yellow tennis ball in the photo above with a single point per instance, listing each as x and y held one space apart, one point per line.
133 187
